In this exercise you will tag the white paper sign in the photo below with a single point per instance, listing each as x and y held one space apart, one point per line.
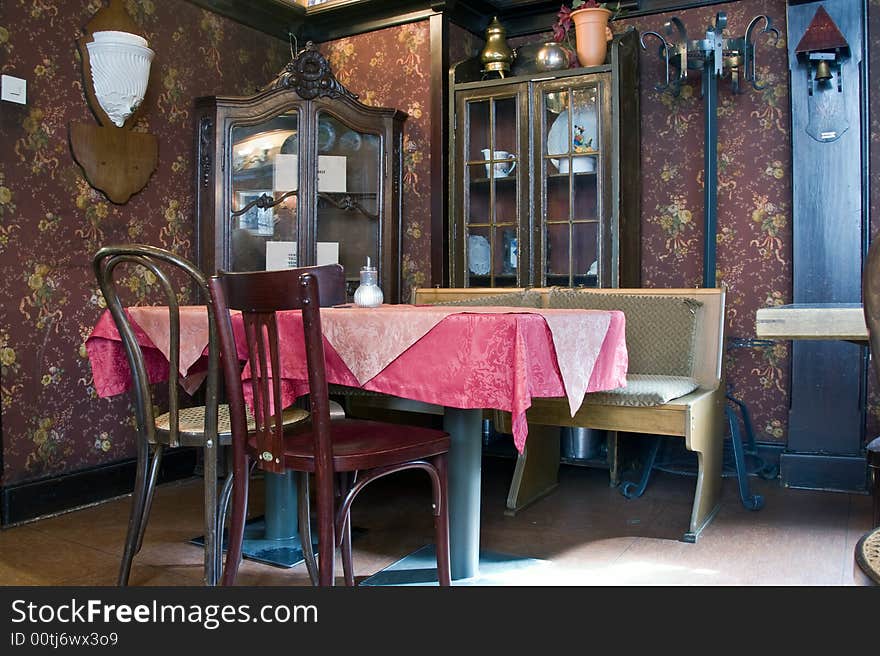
282 254
331 173
286 173
328 252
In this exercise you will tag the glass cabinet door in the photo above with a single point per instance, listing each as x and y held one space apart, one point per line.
290 178
264 194
349 185
574 233
493 190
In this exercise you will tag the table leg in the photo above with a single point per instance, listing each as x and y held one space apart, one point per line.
281 506
274 538
465 428
469 566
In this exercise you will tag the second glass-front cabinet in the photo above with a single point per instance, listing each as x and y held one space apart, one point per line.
300 174
545 172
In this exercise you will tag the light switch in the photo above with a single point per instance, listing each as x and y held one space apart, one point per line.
13 89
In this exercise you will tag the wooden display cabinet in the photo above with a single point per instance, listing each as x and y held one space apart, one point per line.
544 170
300 174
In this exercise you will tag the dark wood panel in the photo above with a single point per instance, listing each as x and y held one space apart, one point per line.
341 18
829 237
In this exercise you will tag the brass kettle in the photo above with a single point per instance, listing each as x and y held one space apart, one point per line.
496 55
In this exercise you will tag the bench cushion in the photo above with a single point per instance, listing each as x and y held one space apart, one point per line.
510 299
645 389
660 330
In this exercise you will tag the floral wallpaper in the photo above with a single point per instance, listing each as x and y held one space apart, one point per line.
754 198
392 68
52 221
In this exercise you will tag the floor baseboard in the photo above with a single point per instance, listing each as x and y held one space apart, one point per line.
33 500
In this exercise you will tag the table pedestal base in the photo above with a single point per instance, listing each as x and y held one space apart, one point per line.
286 552
420 568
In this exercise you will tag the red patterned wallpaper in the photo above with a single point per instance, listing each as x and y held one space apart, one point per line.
392 68
754 198
51 221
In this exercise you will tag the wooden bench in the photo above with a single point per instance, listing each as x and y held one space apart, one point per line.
697 417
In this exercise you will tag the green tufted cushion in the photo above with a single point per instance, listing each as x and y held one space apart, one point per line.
645 389
660 330
510 299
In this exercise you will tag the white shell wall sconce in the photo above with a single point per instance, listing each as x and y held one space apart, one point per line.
116 64
120 64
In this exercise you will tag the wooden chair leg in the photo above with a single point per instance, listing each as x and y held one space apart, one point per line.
136 517
324 489
222 511
347 566
305 526
239 516
148 500
213 541
441 522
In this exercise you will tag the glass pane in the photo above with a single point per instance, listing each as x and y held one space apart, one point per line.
504 261
558 206
478 255
506 128
478 128
573 130
585 254
349 179
478 207
556 252
585 196
584 120
264 171
505 200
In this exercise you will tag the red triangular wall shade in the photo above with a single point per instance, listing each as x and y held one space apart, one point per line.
822 34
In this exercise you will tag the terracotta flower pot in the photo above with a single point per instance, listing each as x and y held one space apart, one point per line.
591 34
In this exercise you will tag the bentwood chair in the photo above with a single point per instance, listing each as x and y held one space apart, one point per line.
205 426
867 552
344 456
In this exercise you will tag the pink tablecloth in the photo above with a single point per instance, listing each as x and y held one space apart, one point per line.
465 358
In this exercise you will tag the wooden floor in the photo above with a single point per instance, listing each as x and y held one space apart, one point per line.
589 533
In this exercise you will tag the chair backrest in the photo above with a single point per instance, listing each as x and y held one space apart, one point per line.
169 270
871 302
259 295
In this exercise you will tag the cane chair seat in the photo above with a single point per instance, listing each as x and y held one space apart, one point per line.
191 423
867 556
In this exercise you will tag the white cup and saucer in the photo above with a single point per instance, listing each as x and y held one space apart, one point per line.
501 160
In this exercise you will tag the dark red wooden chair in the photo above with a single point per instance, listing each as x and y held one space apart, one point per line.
344 456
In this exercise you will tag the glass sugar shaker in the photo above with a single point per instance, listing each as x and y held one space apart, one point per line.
368 293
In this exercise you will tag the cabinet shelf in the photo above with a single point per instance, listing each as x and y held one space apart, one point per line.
576 174
511 180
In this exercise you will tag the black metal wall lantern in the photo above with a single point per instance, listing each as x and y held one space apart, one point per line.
821 52
716 56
